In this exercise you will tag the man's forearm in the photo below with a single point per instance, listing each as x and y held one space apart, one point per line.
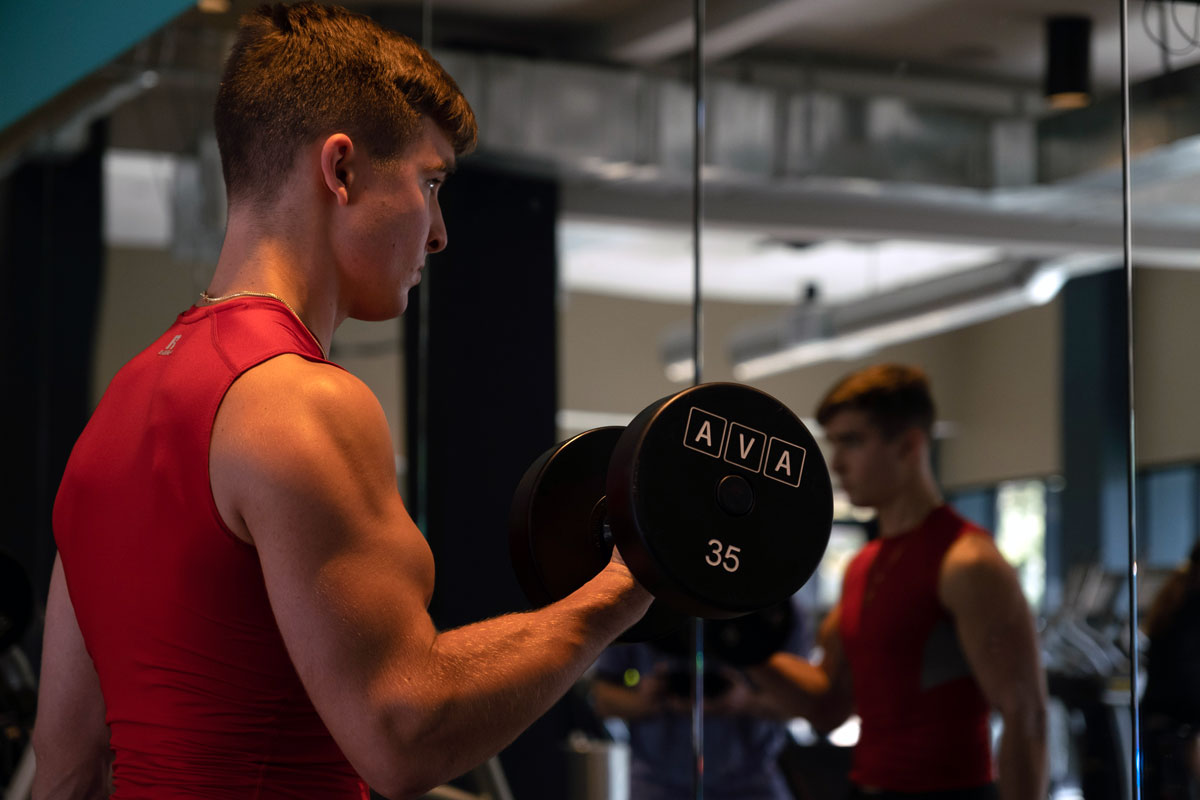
799 688
1022 762
87 780
484 683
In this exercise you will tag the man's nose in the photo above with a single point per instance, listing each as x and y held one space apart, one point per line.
437 239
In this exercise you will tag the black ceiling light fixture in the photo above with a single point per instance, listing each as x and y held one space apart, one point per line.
1068 61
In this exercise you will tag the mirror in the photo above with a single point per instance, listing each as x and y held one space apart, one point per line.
896 176
1163 53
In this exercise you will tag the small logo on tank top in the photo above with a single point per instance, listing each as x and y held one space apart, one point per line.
170 348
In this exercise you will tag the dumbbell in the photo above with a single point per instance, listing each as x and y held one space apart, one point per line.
717 498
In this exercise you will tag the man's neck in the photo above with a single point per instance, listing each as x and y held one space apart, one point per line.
252 261
907 510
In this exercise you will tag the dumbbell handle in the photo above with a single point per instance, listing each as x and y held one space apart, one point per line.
601 531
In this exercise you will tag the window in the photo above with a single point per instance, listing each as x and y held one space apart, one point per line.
1021 534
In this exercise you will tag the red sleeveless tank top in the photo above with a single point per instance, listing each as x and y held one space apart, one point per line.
201 697
924 717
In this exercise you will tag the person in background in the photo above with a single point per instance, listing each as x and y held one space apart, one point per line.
1171 704
931 632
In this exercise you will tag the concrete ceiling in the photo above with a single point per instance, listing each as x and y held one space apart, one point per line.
999 40
982 60
1002 40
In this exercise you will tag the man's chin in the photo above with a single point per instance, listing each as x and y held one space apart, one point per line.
380 312
857 499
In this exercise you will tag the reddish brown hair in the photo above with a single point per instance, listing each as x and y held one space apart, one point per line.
297 73
895 397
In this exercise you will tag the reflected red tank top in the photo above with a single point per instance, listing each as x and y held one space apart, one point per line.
924 717
201 697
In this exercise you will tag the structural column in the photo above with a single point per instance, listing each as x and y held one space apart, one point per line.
1095 419
481 396
52 243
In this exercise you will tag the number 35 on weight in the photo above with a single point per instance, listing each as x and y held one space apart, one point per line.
722 556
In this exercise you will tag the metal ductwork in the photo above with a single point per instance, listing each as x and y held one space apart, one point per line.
776 122
813 332
796 153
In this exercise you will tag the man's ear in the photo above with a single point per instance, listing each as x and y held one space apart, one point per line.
339 164
910 441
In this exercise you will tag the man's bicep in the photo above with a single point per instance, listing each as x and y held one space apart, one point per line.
839 703
347 573
994 625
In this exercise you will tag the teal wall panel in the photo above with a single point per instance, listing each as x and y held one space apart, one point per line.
47 45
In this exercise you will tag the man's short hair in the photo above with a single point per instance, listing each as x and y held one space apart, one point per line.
299 73
895 397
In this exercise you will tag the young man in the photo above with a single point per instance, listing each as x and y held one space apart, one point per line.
931 632
239 606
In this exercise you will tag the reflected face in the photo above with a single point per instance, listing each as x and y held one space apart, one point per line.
398 222
869 465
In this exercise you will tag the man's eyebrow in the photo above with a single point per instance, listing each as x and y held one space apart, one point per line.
447 167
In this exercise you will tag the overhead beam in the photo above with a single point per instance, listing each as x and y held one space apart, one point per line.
662 31
865 210
732 26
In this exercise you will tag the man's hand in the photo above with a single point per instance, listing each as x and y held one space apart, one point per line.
618 566
650 696
742 698
820 692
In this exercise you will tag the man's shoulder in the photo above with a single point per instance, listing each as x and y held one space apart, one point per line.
973 565
294 433
947 518
293 410
291 389
973 549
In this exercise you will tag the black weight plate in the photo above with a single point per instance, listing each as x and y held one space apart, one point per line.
556 531
720 500
16 601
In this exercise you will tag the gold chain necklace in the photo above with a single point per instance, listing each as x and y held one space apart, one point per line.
208 298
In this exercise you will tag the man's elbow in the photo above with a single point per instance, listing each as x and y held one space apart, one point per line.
87 776
407 753
400 787
409 775
1025 714
400 774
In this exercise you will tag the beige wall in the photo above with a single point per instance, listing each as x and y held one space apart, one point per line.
996 383
608 352
142 293
144 290
1167 365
